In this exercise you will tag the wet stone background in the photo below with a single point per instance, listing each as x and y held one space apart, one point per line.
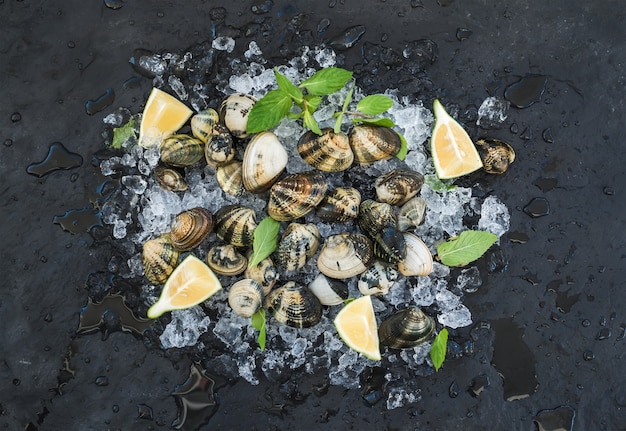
551 322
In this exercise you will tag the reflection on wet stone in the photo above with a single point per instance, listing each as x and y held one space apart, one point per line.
558 419
348 38
526 91
58 158
113 4
79 221
537 207
195 399
479 384
463 33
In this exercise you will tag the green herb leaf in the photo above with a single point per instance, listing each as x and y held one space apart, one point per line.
374 104
348 99
312 102
310 123
384 122
287 86
465 248
268 111
348 300
438 348
326 81
294 115
437 184
404 147
258 323
265 240
123 134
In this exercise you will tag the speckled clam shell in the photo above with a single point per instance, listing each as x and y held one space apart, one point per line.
229 177
390 245
294 305
170 179
418 260
159 258
265 273
496 155
264 160
372 143
219 148
235 224
296 194
181 150
297 245
226 260
245 297
234 111
345 255
397 186
374 216
406 329
190 228
329 152
377 279
339 205
202 124
328 290
411 214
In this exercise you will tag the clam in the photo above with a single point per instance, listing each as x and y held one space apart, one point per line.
345 255
159 258
190 228
411 214
372 143
226 260
374 216
170 179
181 150
264 160
234 111
219 148
328 290
297 245
229 177
406 329
265 273
496 155
390 245
235 224
328 152
245 297
202 124
396 187
294 305
296 194
418 260
377 279
339 205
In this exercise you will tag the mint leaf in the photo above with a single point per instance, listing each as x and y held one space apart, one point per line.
465 248
326 81
438 348
268 111
348 99
265 240
374 104
384 122
287 86
258 323
310 123
437 184
123 133
404 147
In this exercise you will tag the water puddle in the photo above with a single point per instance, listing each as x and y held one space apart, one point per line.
348 38
527 91
79 220
58 158
110 315
94 106
537 207
196 399
557 419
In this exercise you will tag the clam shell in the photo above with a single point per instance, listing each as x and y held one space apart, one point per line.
226 260
377 279
345 255
496 155
245 297
374 216
418 260
296 194
265 273
159 258
235 224
234 111
406 329
297 245
329 152
396 187
219 148
411 214
372 143
264 160
181 150
229 178
170 179
294 305
390 245
328 290
202 124
339 205
190 228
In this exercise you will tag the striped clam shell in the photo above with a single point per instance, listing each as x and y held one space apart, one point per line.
203 122
265 273
406 329
264 160
339 205
219 148
374 216
296 194
418 259
245 297
226 260
229 177
159 258
297 245
190 228
181 150
397 186
328 152
294 305
235 224
372 143
345 255
234 111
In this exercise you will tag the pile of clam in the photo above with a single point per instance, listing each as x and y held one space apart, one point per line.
377 253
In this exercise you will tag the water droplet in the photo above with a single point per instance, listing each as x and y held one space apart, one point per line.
546 184
115 408
133 82
514 128
58 158
144 412
537 207
518 237
463 33
609 191
43 259
332 3
526 91
15 117
78 221
261 7
547 135
196 399
453 390
102 381
444 3
586 323
160 14
588 355
479 384
348 38
560 418
323 25
527 134
102 102
416 3
8 142
603 334
71 44
110 314
74 177
113 4
384 37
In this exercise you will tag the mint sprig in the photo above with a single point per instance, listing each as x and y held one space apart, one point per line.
123 133
465 248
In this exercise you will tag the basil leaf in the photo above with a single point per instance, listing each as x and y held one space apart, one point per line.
438 348
374 104
287 86
326 81
265 240
310 123
404 147
268 111
384 122
258 323
465 248
123 134
312 102
437 184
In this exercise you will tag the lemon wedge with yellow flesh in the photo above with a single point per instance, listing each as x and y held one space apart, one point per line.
163 115
191 283
356 325
453 151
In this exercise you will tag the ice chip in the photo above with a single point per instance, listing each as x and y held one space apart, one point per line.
399 397
494 216
492 113
178 87
469 280
224 43
298 347
185 328
135 183
253 49
457 317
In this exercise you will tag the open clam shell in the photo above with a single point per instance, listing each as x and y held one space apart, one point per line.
226 260
397 186
328 152
418 260
190 228
328 290
159 258
345 255
406 329
294 305
297 245
235 224
372 143
245 297
296 194
264 160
